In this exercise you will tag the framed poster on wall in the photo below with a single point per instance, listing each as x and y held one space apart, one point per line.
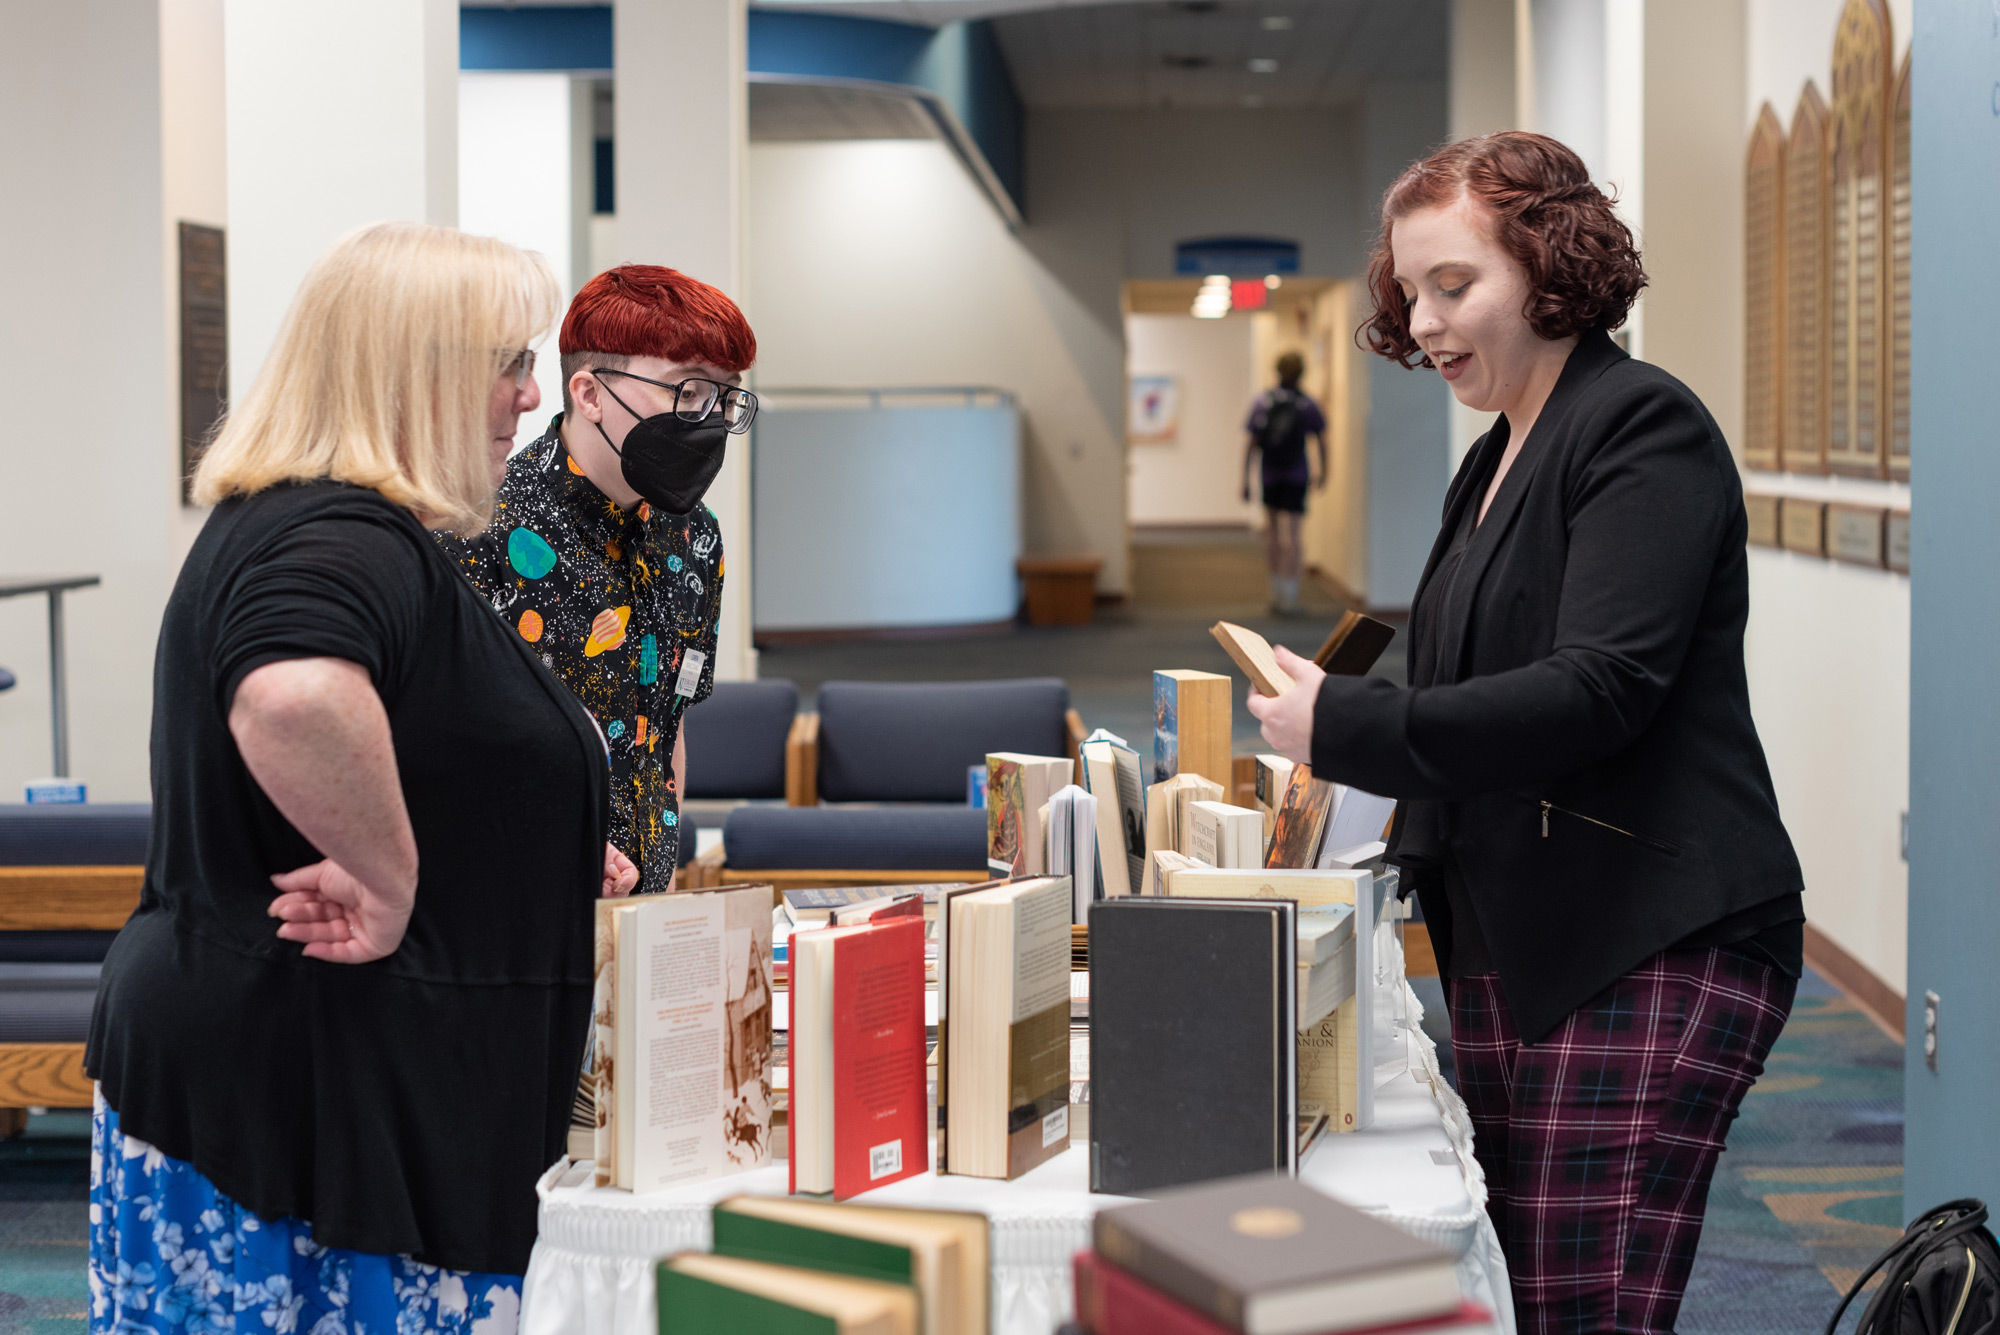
1154 415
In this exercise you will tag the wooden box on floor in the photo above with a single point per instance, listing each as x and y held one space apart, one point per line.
1059 590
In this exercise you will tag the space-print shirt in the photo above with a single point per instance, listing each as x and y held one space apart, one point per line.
619 604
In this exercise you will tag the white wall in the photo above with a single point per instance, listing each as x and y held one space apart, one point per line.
1829 644
91 487
515 178
880 263
1197 478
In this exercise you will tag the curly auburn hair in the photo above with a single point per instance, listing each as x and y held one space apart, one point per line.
1582 267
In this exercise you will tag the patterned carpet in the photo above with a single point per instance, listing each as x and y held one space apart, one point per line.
1809 1191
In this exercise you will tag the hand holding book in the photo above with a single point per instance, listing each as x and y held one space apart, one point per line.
1287 721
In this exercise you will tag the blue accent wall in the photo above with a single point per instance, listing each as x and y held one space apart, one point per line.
1954 928
960 63
535 37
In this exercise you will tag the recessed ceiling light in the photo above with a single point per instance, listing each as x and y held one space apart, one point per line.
1263 65
1252 101
1277 22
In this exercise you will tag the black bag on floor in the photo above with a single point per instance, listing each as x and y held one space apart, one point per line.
1942 1277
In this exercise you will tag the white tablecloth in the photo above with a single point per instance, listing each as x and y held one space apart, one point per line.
592 1269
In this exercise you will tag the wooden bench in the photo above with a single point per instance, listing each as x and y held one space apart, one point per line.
43 899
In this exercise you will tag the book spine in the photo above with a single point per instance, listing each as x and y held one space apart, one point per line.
1111 1302
1168 1273
689 1305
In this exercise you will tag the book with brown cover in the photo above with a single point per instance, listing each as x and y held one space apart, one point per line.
1268 1255
1110 1301
1356 642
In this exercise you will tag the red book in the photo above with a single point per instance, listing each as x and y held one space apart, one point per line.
1110 1301
858 1117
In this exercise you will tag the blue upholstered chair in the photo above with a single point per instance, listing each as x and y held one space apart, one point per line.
69 877
736 752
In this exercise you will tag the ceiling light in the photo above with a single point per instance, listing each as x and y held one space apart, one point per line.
1263 65
1272 280
1277 22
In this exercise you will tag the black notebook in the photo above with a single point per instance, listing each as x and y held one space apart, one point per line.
1193 1042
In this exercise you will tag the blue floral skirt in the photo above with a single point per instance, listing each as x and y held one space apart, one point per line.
170 1254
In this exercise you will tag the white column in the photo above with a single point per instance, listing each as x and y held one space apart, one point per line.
340 112
682 145
92 454
1485 74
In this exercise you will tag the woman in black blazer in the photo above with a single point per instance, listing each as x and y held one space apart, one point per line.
1585 810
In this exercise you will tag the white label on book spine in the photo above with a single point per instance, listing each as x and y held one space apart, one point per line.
885 1159
1055 1127
690 679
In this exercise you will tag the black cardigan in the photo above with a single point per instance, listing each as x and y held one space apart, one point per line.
1585 751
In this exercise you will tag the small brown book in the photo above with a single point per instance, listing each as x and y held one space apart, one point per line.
1354 645
1267 1255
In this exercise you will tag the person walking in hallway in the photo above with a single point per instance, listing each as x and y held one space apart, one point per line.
1280 421
1584 805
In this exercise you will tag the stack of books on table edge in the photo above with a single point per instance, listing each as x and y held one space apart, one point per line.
784 1265
1264 1255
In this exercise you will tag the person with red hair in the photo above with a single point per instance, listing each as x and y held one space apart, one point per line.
1584 807
601 555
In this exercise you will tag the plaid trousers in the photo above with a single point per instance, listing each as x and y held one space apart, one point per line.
1599 1141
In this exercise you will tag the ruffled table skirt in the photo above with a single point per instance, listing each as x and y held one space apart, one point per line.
592 1269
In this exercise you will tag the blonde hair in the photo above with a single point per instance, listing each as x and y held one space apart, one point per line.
383 370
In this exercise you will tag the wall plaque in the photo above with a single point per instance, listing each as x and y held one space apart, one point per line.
1763 292
1898 412
1807 344
204 340
1763 514
1896 541
1854 533
1802 525
1856 441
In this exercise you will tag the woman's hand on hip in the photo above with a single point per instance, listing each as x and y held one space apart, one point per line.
340 920
1288 720
619 873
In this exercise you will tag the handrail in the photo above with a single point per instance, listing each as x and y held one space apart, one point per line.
876 393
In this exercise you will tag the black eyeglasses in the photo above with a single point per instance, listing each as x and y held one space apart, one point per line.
519 363
695 399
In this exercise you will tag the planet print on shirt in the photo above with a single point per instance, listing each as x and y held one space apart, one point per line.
531 625
607 631
530 554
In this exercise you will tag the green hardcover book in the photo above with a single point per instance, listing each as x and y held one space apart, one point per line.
943 1253
699 1294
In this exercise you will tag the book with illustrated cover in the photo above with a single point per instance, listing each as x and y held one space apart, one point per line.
1003 1091
1193 1041
1274 776
1267 1255
699 1294
1017 788
1111 772
689 1073
858 1116
943 1254
1191 721
1300 822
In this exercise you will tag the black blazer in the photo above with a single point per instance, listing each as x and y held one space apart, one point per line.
1585 751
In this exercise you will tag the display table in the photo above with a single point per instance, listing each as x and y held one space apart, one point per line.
592 1269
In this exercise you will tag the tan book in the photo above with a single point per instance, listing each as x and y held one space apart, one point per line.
1167 805
1252 653
691 1062
1274 775
1008 1058
1225 836
1191 721
1121 837
1309 886
1328 1068
1017 788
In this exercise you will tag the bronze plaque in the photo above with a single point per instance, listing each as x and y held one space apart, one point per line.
1854 534
1802 525
1763 291
1763 512
1807 336
204 341
1898 412
1896 541
1856 441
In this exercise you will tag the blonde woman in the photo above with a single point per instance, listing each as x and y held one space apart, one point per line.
338 1041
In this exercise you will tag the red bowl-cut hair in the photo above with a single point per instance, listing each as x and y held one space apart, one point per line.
644 310
1583 270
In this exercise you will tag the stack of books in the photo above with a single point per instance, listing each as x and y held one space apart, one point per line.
783 1266
1264 1256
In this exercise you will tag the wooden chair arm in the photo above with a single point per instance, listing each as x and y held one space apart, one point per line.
802 762
1073 734
1243 779
43 1075
42 899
